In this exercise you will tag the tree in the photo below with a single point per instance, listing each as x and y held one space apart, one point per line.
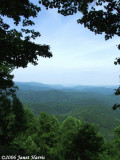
7 119
117 136
88 143
68 131
18 110
48 135
110 151
17 50
24 141
16 46
7 86
79 141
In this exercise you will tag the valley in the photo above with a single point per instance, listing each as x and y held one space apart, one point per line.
87 103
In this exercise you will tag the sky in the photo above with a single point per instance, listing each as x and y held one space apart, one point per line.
79 56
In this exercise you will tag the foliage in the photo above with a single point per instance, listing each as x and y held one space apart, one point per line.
47 136
17 47
99 16
7 86
17 50
18 111
11 121
111 152
117 136
69 129
88 143
7 119
71 139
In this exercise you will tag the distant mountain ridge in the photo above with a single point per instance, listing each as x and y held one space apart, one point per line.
35 86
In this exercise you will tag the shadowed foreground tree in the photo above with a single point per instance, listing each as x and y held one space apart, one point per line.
7 85
17 47
88 143
12 122
18 110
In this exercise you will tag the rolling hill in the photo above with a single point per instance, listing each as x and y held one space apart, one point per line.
87 103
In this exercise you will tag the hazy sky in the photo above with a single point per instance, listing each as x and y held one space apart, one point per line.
79 56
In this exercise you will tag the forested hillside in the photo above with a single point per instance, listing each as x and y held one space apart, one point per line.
87 103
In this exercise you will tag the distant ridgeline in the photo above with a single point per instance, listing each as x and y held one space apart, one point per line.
87 103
